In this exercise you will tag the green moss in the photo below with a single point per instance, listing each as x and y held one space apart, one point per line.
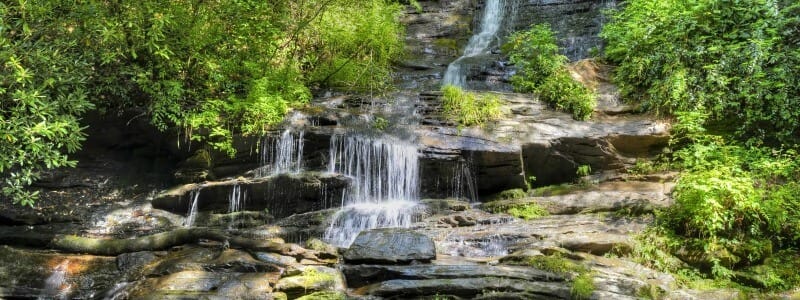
510 194
556 263
554 190
450 44
312 278
582 286
528 211
324 296
468 109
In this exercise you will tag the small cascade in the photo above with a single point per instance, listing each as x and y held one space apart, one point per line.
55 287
236 201
192 215
385 185
282 154
478 44
463 183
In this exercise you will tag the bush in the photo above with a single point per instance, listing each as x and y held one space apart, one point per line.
542 69
734 59
468 109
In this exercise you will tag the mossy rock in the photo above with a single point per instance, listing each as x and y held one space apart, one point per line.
311 279
200 160
324 296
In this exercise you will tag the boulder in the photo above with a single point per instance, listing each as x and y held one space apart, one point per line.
390 246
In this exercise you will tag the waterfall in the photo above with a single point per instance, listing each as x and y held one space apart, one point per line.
192 215
282 154
385 185
463 183
236 201
478 44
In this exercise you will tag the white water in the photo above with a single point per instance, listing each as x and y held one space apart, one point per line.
478 44
192 215
283 154
384 190
55 286
463 184
236 201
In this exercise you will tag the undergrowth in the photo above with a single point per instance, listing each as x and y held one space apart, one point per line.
467 108
543 70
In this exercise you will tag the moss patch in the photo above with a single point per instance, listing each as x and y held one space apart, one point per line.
582 286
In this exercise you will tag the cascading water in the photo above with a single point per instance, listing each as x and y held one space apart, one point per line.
194 195
478 44
283 154
385 185
236 201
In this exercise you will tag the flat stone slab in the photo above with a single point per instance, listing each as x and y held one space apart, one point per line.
390 246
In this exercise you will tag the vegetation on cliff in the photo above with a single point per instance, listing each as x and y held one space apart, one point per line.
727 72
210 68
542 69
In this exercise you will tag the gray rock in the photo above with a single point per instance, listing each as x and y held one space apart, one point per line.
390 246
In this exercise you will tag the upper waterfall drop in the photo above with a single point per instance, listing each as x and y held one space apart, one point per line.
478 44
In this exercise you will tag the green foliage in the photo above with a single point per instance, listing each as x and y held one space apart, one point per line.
510 194
528 211
556 263
734 60
380 123
583 170
42 95
468 109
582 286
184 64
358 41
542 69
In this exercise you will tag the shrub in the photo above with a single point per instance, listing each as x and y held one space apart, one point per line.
468 109
542 69
731 58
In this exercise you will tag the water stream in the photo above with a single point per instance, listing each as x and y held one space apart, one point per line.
282 154
194 195
478 44
385 186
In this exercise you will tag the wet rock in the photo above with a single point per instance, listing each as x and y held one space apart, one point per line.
390 246
312 279
323 249
468 287
32 274
211 285
361 275
281 195
626 198
532 140
437 206
134 260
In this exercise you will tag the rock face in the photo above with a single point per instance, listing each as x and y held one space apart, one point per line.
282 195
390 246
532 140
